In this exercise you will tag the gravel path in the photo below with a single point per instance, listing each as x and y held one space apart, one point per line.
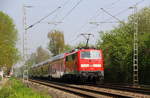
55 93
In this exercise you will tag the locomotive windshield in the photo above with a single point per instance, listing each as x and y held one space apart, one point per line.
90 55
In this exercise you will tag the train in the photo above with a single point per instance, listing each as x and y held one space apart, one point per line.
77 65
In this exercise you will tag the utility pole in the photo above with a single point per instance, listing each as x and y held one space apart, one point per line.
25 51
135 47
25 55
87 37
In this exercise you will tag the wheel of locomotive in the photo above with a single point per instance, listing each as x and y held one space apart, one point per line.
82 79
70 78
63 79
99 80
73 79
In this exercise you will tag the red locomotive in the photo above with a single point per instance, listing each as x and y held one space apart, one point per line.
80 64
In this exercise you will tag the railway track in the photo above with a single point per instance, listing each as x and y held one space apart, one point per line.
88 91
125 88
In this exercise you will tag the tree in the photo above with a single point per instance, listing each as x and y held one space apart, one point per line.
42 55
9 54
32 60
117 46
67 48
57 43
37 57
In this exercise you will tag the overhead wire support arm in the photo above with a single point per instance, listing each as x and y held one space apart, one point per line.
43 18
112 16
100 22
103 22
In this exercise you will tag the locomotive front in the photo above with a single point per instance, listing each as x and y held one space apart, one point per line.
91 64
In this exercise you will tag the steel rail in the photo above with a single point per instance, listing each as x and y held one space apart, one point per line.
125 88
77 90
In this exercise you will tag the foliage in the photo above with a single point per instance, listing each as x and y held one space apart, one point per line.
18 71
117 46
67 47
40 55
32 60
57 43
8 37
16 89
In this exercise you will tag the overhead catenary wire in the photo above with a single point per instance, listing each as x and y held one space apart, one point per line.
141 1
95 16
70 11
119 13
124 10
56 16
92 17
43 18
113 3
62 7
111 15
114 16
76 38
105 21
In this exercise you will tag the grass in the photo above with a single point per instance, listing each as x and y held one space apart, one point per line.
0 78
16 89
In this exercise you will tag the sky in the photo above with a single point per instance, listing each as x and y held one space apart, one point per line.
73 18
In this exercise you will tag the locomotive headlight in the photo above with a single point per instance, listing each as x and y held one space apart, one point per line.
97 65
84 65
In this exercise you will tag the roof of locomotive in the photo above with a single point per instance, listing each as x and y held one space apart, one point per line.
78 50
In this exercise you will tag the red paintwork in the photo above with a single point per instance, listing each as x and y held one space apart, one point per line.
91 61
72 65
86 61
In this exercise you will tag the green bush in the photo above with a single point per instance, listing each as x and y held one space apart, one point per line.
16 89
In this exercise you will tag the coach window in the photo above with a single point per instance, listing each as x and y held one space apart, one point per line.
74 56
69 58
